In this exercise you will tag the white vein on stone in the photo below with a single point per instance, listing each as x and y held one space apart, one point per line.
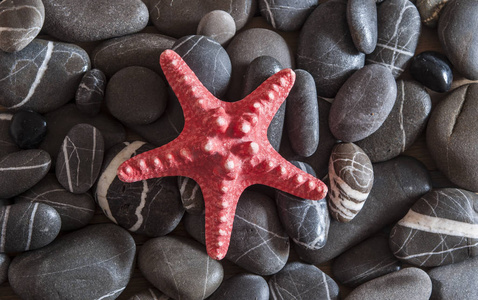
25 167
30 226
139 209
112 293
6 117
3 236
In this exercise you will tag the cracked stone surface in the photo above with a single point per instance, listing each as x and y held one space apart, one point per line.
287 15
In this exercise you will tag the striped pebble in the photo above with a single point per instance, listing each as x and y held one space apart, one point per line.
191 195
351 179
440 228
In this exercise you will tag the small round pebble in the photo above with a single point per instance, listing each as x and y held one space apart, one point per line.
433 70
218 25
91 91
28 129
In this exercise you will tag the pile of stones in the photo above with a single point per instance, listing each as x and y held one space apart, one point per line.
82 91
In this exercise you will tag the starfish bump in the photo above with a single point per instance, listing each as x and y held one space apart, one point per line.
224 148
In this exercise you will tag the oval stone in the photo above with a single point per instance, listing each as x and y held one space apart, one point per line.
451 134
441 228
49 73
399 29
4 264
217 25
456 29
191 196
242 286
21 170
326 50
433 70
151 207
180 267
91 91
404 124
21 21
101 255
287 15
362 103
28 129
27 226
75 210
79 159
362 21
93 20
8 144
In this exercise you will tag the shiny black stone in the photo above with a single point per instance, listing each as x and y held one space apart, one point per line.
28 129
433 70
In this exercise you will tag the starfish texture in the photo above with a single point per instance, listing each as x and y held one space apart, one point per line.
224 148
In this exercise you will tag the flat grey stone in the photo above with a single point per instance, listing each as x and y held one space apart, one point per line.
326 50
217 25
93 20
4 264
21 21
180 267
43 76
7 144
430 11
102 256
91 91
362 20
242 286
287 15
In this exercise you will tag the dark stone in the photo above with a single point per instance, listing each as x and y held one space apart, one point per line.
28 129
259 244
370 259
208 60
21 21
242 287
95 262
150 294
91 91
326 50
113 55
398 183
4 264
305 221
42 77
136 95
27 226
180 267
75 210
362 21
287 15
7 144
430 11
21 170
217 25
363 103
439 229
404 124
93 20
433 70
302 281
302 115
399 29
451 134
151 207
456 27
191 196
409 283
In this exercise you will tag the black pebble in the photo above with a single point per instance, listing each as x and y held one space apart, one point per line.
28 129
433 70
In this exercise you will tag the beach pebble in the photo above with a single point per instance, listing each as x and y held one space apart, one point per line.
191 196
363 103
43 76
398 183
362 21
404 124
441 228
456 27
8 145
21 170
409 283
243 286
370 259
21 21
112 55
302 281
399 29
102 256
433 70
91 91
217 25
305 221
287 15
136 95
302 115
75 210
351 180
430 11
151 207
28 129
4 264
93 20
247 46
259 244
208 60
150 294
179 267
27 226
80 157
326 50
451 134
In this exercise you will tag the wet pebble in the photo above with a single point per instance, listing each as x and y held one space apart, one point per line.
217 25
287 15
433 70
28 129
91 91
242 286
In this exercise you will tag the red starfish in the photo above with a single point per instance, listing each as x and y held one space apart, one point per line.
224 148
